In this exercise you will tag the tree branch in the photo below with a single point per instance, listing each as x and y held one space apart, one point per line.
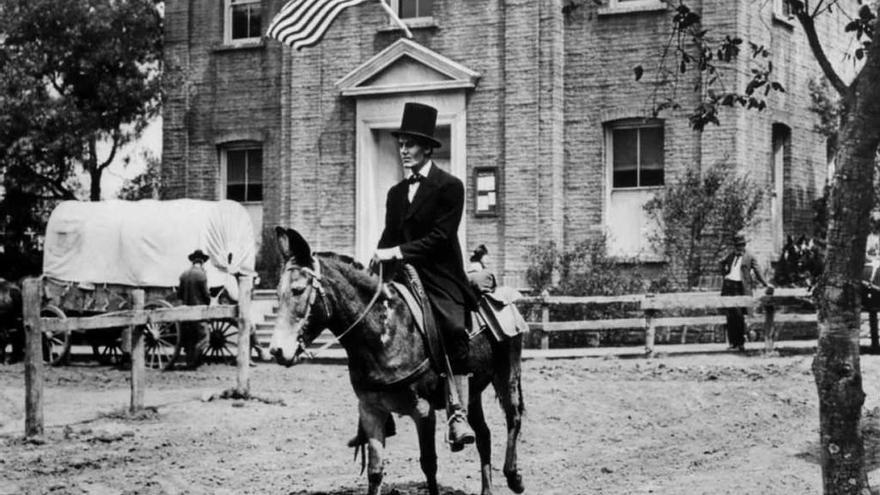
819 53
113 150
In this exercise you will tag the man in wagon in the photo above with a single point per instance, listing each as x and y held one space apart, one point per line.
423 213
193 291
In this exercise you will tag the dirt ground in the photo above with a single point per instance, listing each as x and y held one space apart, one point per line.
697 424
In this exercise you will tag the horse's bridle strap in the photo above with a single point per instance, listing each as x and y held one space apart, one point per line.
316 277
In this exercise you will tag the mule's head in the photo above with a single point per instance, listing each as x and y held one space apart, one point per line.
303 309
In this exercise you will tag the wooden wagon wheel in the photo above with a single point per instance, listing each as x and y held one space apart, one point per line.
161 340
109 352
222 343
56 345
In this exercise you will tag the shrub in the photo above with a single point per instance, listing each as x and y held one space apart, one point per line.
268 259
584 270
698 216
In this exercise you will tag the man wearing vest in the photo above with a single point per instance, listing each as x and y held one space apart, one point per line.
738 268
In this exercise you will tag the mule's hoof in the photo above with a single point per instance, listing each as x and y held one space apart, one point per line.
515 482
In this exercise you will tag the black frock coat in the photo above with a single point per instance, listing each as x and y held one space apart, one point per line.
427 233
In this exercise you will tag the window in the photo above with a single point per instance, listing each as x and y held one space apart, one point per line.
783 12
486 191
242 22
624 6
637 156
780 161
412 9
244 174
634 159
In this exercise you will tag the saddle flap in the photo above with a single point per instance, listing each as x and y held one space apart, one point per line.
414 294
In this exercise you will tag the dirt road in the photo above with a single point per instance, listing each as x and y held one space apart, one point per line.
699 424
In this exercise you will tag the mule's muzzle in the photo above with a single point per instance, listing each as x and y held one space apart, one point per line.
300 354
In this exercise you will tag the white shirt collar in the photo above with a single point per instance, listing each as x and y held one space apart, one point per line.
426 168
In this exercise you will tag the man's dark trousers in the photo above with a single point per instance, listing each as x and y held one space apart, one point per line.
736 320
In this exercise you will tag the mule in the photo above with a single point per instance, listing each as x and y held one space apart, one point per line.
387 360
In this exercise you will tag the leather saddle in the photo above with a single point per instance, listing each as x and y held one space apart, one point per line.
408 284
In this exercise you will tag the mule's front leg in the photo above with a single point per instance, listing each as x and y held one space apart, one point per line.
426 422
373 422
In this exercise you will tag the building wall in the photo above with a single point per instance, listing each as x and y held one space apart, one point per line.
548 82
217 95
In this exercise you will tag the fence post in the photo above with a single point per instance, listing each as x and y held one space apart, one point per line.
245 286
545 319
650 331
33 357
769 327
137 356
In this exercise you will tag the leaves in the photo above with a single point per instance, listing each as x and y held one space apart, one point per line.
698 211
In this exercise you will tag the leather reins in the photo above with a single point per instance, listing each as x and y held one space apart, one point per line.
317 291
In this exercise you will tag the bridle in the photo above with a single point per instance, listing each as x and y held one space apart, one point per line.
316 291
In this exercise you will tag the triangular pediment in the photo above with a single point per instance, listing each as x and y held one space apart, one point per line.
406 66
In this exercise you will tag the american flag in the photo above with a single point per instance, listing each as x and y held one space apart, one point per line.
301 23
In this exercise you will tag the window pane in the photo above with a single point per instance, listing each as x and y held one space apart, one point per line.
651 155
254 28
235 192
407 8
240 21
624 160
254 192
255 167
235 163
425 8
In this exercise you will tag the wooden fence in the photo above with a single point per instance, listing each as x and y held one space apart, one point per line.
652 308
135 318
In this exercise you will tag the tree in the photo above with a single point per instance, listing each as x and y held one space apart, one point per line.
146 185
698 215
74 74
836 366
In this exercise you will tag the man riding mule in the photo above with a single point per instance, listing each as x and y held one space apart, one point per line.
388 362
422 215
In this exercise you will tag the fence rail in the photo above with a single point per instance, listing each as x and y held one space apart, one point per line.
35 326
653 305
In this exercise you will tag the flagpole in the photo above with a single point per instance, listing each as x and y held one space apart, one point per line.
395 18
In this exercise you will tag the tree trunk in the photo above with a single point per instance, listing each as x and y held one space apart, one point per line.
95 184
836 365
94 170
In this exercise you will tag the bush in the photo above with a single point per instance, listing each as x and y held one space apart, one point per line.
268 259
698 215
584 270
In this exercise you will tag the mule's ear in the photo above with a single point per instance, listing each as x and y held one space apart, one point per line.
300 249
283 243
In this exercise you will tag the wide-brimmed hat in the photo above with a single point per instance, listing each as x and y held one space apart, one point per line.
419 121
198 255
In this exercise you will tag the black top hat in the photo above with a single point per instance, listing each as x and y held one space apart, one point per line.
198 255
419 121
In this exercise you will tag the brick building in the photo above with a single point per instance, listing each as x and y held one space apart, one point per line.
538 112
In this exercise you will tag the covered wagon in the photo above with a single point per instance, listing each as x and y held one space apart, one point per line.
96 253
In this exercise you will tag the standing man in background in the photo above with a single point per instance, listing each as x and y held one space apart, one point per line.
737 269
193 291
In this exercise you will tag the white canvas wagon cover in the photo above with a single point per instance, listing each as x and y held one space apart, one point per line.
146 243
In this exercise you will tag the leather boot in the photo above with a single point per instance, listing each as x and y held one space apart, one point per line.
460 432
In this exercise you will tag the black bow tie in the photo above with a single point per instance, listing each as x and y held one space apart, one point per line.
414 179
